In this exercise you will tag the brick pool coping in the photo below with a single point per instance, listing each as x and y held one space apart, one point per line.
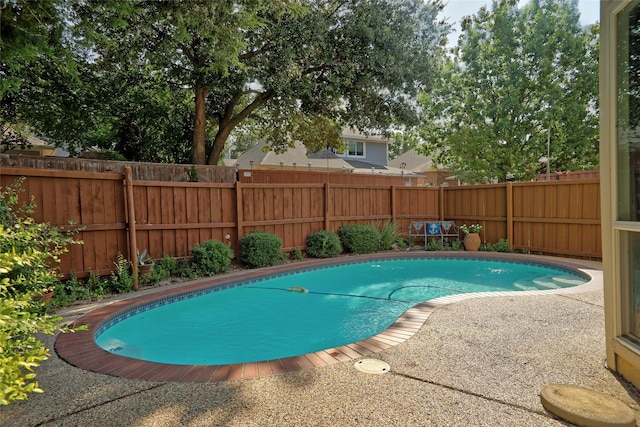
79 349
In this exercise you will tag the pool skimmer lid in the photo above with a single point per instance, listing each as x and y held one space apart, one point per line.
372 366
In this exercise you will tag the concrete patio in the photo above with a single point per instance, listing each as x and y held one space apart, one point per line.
476 362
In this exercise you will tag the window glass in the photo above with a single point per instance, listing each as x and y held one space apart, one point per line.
627 171
356 148
628 125
630 277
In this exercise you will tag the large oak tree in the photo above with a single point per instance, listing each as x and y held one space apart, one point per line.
301 68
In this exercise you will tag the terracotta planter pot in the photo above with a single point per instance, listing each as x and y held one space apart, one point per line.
46 297
144 269
472 241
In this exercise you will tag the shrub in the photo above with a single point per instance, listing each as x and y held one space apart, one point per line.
434 245
74 289
121 280
390 234
486 247
162 269
28 257
359 239
261 249
185 268
323 244
211 257
502 246
296 254
455 245
167 263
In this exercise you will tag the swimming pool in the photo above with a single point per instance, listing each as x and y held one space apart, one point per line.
80 349
306 311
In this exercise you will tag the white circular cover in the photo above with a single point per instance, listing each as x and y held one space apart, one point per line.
372 366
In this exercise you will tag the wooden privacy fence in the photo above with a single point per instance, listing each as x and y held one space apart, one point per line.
116 214
93 202
140 170
557 217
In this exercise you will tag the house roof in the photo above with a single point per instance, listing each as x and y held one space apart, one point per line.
260 155
298 155
352 134
415 162
36 146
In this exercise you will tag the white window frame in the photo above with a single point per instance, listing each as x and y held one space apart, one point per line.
623 354
347 150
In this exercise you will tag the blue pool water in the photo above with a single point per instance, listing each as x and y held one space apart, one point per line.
263 320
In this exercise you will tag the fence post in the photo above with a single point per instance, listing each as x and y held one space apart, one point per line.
326 204
239 216
441 203
393 204
509 189
131 220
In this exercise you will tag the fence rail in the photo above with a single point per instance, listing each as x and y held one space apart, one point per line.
115 213
302 176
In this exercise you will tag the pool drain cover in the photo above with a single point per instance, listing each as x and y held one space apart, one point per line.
372 366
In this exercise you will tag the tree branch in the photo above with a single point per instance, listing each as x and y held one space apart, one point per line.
246 111
312 70
254 53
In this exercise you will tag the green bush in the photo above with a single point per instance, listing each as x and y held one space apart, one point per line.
162 269
323 244
390 235
121 280
434 245
502 246
28 260
211 257
261 249
296 254
185 268
453 245
359 239
486 247
74 289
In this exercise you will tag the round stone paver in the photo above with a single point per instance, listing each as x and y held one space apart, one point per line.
585 407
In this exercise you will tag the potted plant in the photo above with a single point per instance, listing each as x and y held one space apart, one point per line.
145 262
472 236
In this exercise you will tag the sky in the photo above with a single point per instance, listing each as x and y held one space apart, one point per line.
456 9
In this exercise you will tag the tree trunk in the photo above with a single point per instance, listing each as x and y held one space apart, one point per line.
228 122
198 147
219 143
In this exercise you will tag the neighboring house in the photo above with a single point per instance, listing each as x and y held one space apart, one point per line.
364 154
362 151
414 163
34 146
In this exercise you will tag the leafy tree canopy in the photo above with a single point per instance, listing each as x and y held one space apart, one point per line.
404 141
303 69
514 75
32 42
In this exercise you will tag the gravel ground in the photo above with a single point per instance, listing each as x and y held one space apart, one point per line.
478 362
